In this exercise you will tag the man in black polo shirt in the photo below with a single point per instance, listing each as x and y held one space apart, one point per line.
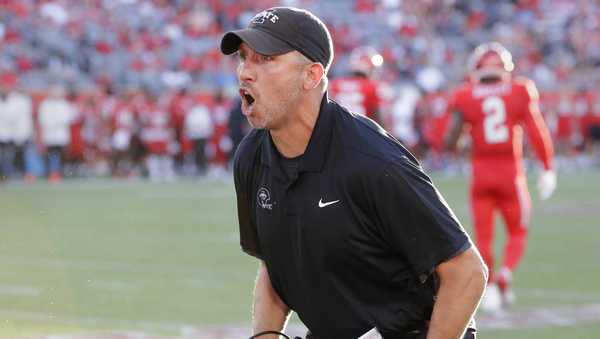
349 231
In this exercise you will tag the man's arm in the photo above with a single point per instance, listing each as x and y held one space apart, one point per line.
537 130
538 134
462 283
454 130
270 313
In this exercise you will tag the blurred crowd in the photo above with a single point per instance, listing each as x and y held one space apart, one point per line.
135 88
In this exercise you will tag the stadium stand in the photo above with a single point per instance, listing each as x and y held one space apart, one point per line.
126 64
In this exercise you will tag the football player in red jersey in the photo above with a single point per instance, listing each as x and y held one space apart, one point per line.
359 91
496 107
432 122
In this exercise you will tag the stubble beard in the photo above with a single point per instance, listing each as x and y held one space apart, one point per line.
277 113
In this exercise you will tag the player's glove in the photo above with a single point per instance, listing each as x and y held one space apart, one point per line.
546 184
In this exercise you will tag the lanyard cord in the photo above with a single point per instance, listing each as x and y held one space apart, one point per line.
268 332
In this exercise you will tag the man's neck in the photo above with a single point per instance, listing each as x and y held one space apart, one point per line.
292 139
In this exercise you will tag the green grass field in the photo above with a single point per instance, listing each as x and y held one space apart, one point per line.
104 255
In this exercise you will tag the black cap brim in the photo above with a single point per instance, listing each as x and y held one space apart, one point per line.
262 42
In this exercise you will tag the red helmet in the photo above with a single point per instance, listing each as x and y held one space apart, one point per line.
490 60
365 60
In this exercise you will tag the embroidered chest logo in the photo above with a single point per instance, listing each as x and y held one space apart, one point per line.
263 197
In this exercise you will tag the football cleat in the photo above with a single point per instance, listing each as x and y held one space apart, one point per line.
504 281
491 301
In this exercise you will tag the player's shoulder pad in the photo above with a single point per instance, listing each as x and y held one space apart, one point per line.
528 86
458 94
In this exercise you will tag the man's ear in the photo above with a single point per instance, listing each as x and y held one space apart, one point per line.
313 76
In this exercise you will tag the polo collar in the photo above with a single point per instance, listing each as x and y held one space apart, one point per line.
318 145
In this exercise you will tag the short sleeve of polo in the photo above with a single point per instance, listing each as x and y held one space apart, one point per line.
247 225
415 219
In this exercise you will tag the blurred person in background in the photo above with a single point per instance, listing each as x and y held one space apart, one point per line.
581 106
122 125
198 127
75 153
358 91
496 107
431 118
566 126
158 136
16 131
238 126
220 143
403 120
592 125
7 150
55 116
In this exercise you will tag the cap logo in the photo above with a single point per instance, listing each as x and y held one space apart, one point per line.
261 17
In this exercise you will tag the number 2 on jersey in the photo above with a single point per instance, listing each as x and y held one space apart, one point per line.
494 123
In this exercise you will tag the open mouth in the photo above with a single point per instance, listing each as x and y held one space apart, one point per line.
246 96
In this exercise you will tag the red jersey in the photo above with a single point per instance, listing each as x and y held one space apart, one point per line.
157 131
433 118
565 110
594 112
496 114
358 94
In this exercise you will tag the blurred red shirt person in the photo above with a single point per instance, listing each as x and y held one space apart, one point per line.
496 107
359 90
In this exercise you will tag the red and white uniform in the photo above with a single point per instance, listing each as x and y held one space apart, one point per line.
76 150
220 144
434 120
565 112
358 94
581 107
157 130
496 115
122 126
593 117
548 106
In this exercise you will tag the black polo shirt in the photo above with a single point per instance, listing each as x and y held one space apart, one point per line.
351 236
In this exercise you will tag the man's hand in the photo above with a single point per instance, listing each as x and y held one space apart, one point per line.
546 184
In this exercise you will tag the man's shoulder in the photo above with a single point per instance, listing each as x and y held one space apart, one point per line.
461 93
367 143
525 86
248 149
464 88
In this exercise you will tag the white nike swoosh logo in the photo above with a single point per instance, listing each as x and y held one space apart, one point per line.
325 204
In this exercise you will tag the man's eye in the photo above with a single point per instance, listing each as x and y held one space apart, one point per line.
266 58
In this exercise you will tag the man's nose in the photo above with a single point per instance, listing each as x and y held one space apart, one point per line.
246 72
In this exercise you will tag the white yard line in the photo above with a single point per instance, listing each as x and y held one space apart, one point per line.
20 290
113 285
91 321
559 295
540 317
104 265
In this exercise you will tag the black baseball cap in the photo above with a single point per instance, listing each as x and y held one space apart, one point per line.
280 30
